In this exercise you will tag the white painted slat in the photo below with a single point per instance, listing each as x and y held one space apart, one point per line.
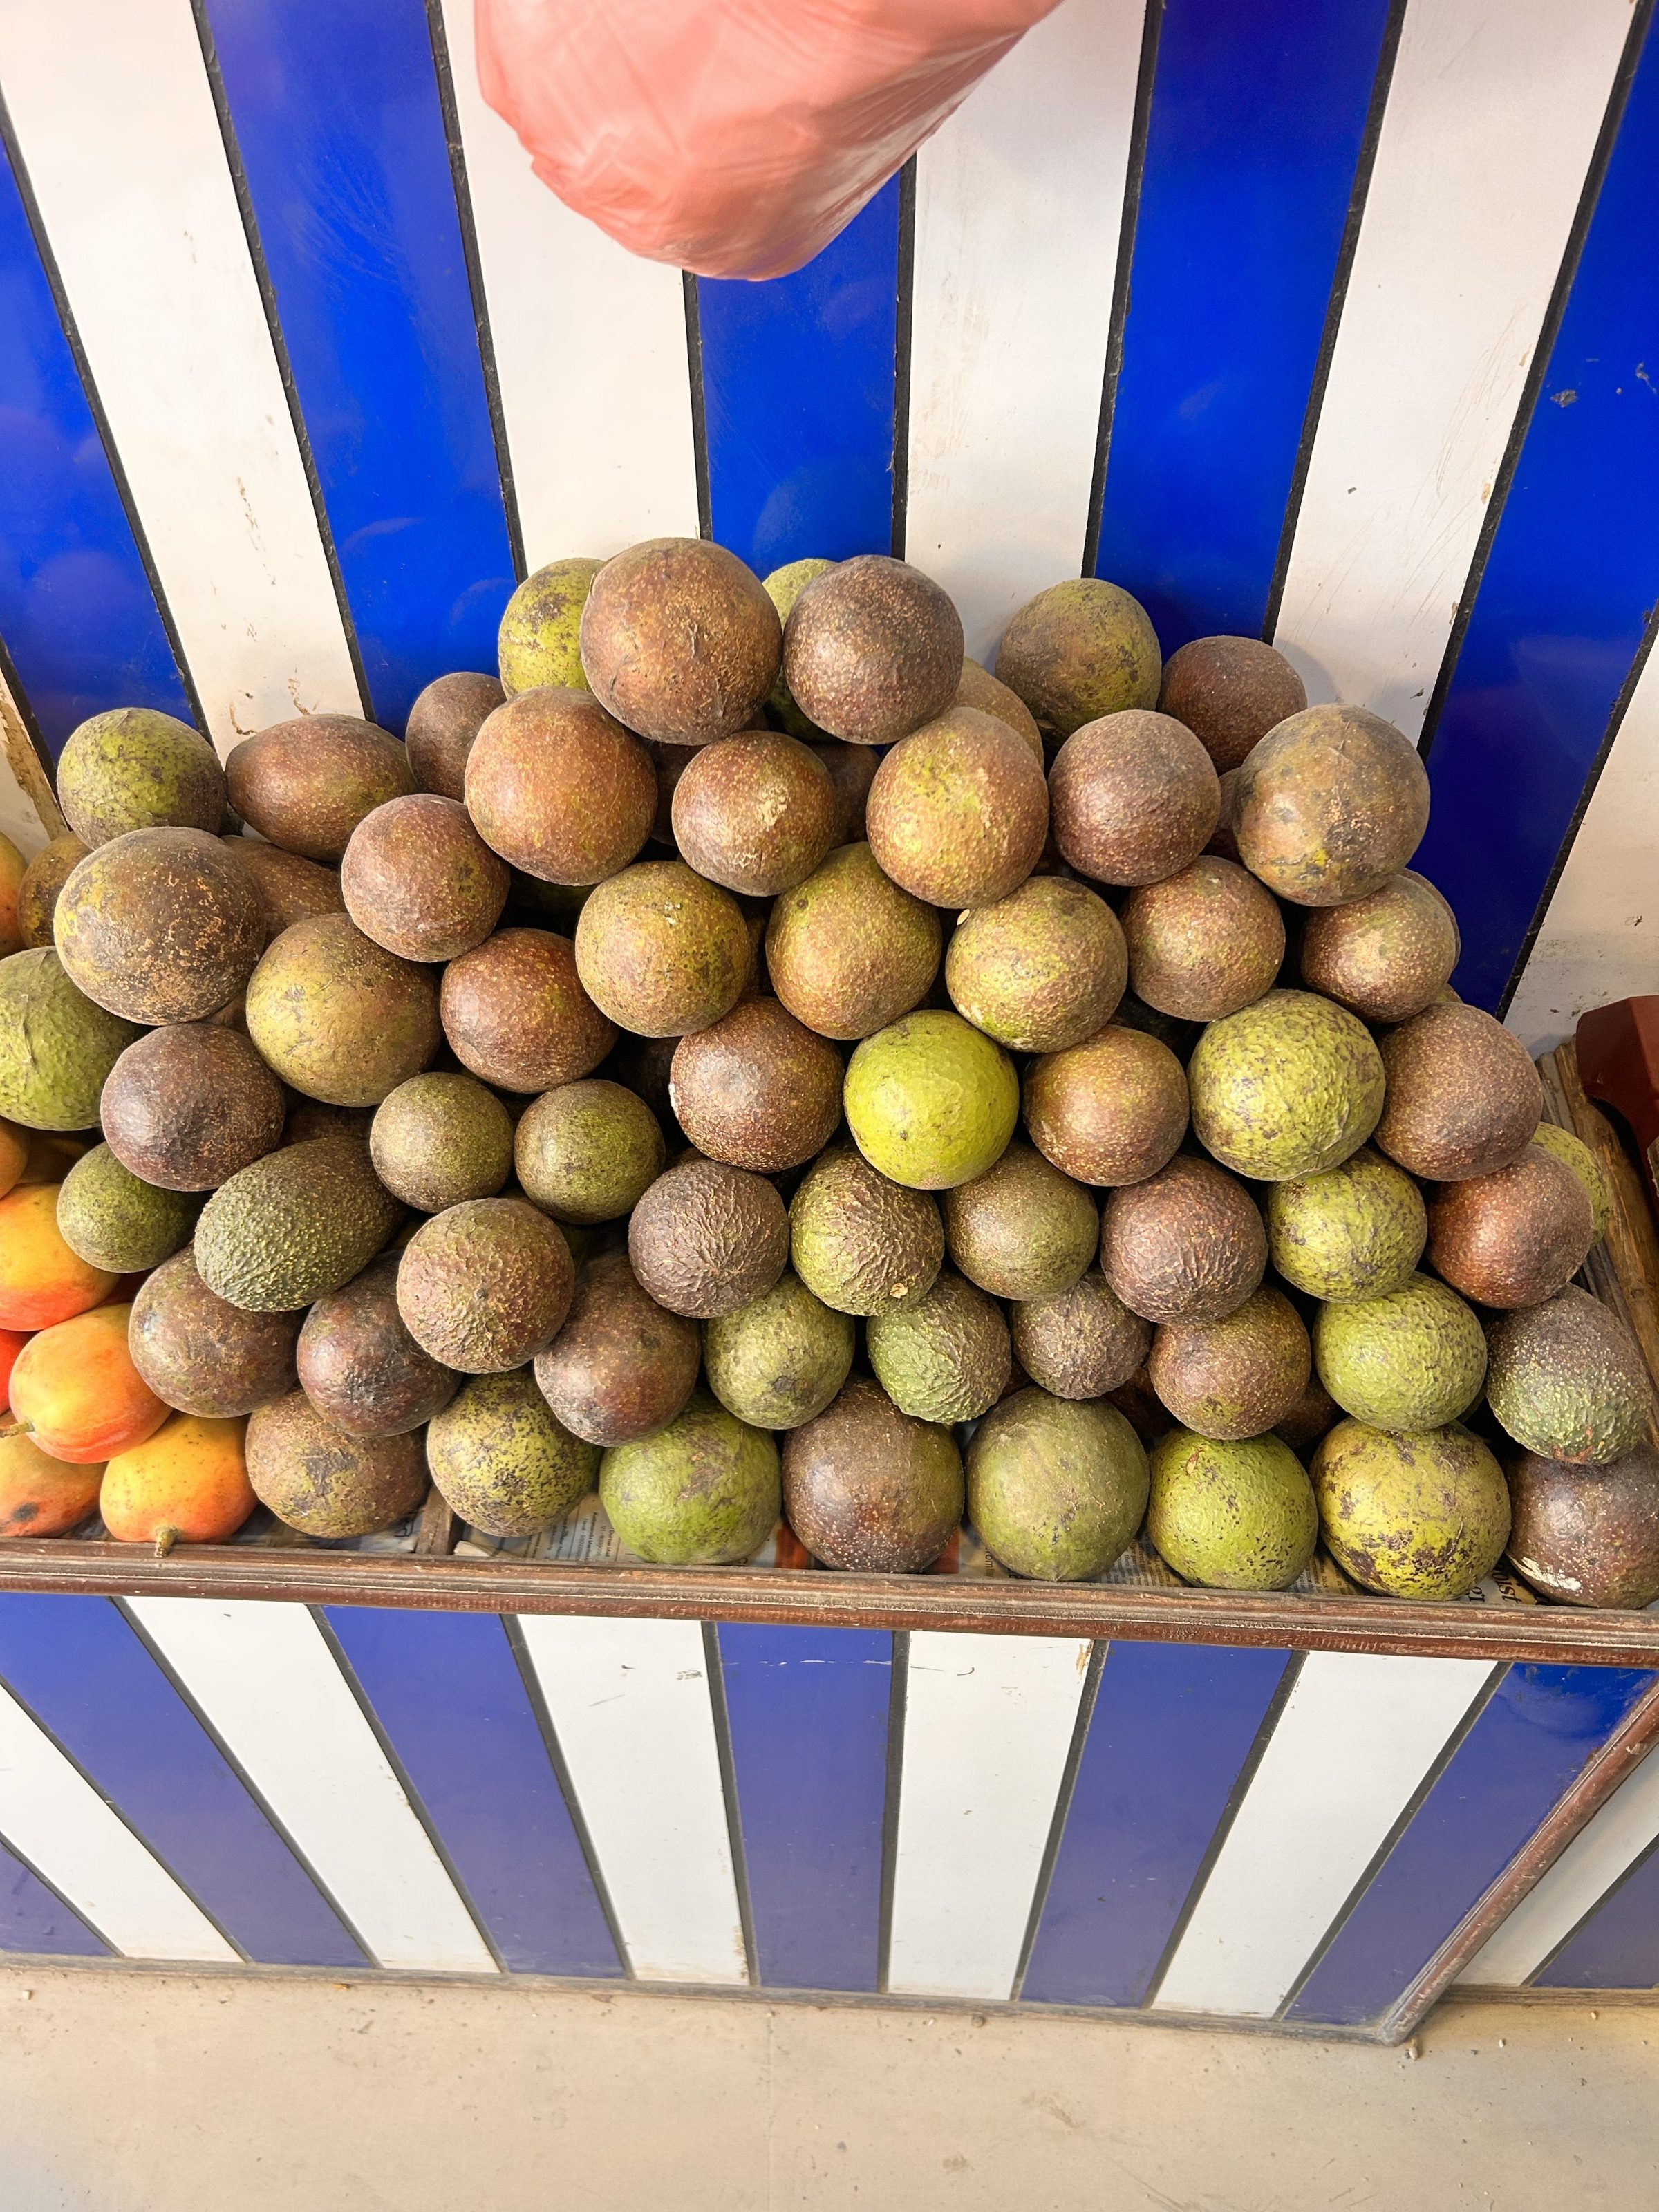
266 1680
53 1816
1356 1738
1019 198
590 350
987 1725
1602 1851
1492 118
1600 939
111 106
630 1707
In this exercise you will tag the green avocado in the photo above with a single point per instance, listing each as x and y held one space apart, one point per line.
930 1101
779 1360
501 1459
1413 1359
1356 1232
1424 1516
1056 1487
296 1224
945 1358
112 1219
705 1490
1237 1516
55 1046
1289 1085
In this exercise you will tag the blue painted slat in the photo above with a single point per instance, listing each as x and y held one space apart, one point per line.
1172 1726
337 118
808 1710
76 610
32 1919
448 1694
1616 1946
1569 586
84 1674
1257 118
798 379
1528 1743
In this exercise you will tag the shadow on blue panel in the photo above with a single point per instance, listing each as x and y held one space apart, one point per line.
448 1692
1570 585
1172 1728
88 1677
32 1919
807 1711
337 118
76 610
798 379
1258 113
1529 1740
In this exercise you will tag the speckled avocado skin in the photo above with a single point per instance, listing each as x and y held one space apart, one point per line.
947 1358
1413 1360
160 925
1424 1515
55 1046
848 951
1566 1380
1330 805
1289 1087
113 1220
1588 1536
779 1360
1232 1515
1080 650
1235 1377
1575 1153
867 1489
326 1483
503 1461
297 1224
133 768
861 1242
1353 1231
1041 969
930 1101
706 1489
1021 1230
871 650
540 640
1056 1488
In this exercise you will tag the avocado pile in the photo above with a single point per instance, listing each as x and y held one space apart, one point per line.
750 1058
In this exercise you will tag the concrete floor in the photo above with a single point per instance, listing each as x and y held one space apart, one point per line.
163 2093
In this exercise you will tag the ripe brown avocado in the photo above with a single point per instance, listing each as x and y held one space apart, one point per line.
418 879
1514 1237
559 788
757 1089
1463 1096
46 876
1186 1245
306 784
869 1490
201 1355
1229 692
185 1107
1239 1377
756 813
872 649
360 1366
288 889
1133 797
515 1012
485 1286
1330 805
1586 1536
1111 1110
707 1238
622 1365
679 640
1021 1230
1205 943
158 926
1384 957
442 724
1080 1343
326 1482
1080 650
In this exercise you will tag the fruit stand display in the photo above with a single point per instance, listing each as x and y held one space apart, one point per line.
794 1292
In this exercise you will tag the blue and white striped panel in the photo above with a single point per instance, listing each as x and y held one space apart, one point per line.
1223 1833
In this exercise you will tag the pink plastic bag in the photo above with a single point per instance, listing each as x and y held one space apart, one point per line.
734 138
